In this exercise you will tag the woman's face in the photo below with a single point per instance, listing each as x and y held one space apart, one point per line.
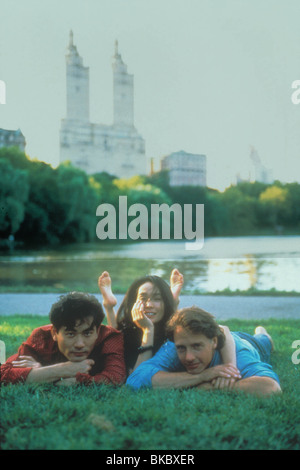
154 307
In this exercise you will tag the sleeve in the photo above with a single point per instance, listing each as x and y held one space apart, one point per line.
165 359
250 365
113 370
10 374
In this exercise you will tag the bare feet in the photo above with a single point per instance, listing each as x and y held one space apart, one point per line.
176 283
260 330
104 283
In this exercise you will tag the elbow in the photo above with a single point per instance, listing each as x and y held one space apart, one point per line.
272 387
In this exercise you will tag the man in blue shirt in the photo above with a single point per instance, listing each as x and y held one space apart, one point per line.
191 358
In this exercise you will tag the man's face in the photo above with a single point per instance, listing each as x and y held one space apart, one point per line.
195 351
77 343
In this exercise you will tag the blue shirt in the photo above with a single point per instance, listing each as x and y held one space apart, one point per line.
252 354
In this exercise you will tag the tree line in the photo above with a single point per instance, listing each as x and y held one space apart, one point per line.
42 205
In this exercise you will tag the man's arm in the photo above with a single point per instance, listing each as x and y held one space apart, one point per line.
254 385
27 369
257 385
186 380
164 371
55 372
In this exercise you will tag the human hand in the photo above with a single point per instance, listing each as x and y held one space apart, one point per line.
139 317
66 382
26 361
221 383
224 371
70 369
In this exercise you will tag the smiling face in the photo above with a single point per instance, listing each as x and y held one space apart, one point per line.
76 343
151 297
195 351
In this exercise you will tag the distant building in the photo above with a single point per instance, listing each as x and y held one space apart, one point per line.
261 173
118 148
10 138
185 169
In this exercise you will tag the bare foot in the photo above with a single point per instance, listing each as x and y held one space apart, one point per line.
260 330
176 281
104 283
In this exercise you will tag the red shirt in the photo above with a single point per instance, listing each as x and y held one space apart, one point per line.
108 354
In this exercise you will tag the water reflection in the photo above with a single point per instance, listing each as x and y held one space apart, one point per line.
261 262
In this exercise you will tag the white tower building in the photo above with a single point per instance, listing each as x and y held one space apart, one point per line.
77 85
118 148
123 92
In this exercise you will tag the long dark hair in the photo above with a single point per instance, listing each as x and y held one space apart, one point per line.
133 334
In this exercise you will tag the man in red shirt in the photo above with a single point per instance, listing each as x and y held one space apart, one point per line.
75 348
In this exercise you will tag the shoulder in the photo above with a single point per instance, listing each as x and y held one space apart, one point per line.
40 335
107 332
167 356
109 336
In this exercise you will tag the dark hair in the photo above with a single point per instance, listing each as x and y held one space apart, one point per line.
74 307
196 321
133 334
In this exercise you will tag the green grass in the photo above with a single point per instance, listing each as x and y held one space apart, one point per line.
116 418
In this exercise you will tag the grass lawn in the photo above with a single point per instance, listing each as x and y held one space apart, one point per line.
117 418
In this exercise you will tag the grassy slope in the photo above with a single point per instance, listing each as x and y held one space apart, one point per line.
102 417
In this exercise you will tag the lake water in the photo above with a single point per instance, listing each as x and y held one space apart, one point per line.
232 262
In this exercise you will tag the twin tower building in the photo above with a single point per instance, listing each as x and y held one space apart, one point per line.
117 149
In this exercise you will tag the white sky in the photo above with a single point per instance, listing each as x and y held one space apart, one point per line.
211 76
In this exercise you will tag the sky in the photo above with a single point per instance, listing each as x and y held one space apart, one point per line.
210 77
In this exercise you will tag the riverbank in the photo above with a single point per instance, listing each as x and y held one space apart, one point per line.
223 307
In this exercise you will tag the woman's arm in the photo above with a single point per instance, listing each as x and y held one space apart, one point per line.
228 353
147 327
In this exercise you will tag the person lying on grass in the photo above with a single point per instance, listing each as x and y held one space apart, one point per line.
142 316
75 348
191 358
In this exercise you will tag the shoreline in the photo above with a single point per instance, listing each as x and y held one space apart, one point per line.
222 307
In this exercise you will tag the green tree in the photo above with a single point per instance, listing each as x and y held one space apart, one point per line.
276 204
78 194
240 210
14 190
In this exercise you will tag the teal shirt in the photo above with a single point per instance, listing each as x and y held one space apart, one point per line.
252 354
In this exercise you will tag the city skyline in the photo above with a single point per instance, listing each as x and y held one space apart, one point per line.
209 79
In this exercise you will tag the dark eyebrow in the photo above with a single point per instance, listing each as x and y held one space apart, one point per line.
90 328
70 328
73 329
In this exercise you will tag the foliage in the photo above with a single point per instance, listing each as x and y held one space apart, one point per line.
104 417
41 205
14 190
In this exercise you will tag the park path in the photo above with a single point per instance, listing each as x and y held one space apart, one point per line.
223 307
